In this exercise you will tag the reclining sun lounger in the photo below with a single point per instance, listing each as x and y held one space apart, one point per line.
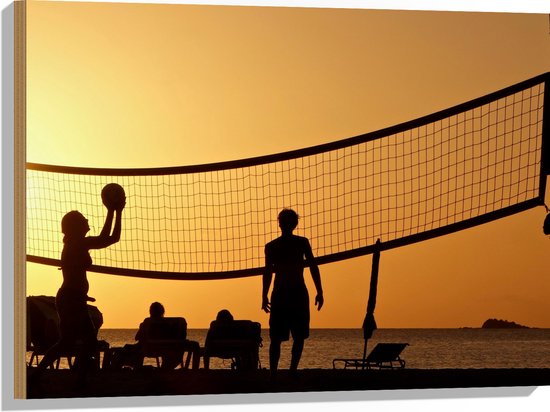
238 340
43 331
383 356
166 339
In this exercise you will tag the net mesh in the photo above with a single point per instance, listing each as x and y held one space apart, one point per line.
392 185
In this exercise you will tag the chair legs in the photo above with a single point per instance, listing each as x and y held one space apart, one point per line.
35 356
71 358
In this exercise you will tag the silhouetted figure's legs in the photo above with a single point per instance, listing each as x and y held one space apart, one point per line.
274 355
86 353
49 357
77 331
297 348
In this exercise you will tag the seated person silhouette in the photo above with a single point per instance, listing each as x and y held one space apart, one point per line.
160 337
224 317
156 311
238 340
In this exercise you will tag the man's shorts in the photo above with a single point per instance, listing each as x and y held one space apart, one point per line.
289 314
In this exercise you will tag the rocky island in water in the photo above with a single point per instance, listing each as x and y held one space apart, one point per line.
501 324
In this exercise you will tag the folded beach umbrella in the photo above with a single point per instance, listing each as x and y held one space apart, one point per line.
369 324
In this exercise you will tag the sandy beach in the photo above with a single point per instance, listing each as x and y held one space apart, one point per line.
156 382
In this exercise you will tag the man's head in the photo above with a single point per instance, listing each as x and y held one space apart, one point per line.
224 316
288 220
156 310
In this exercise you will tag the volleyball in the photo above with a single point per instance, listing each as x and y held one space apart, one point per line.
113 196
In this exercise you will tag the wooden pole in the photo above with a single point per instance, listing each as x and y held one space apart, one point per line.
369 324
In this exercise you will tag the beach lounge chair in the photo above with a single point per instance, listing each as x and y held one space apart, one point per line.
165 339
43 331
383 356
237 340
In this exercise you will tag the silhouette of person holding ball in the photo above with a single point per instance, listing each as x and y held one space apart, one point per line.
287 256
75 324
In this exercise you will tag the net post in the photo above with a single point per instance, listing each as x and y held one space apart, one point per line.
545 144
18 39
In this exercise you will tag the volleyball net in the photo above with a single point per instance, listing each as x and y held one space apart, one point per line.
461 167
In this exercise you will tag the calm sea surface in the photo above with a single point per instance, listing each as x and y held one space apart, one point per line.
429 348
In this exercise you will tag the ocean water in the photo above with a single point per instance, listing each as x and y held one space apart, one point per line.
428 348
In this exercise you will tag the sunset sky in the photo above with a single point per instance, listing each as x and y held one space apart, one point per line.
151 85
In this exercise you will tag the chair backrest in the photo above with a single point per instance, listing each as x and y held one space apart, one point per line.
43 321
234 330
386 352
235 339
169 328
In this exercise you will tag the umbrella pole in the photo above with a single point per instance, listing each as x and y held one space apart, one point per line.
364 354
369 324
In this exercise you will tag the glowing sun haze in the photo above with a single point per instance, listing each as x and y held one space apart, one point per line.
155 85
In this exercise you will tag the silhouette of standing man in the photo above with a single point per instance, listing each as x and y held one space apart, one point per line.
287 256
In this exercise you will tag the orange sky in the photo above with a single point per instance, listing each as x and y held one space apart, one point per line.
136 85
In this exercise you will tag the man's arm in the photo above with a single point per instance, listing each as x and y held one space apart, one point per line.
266 283
315 274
